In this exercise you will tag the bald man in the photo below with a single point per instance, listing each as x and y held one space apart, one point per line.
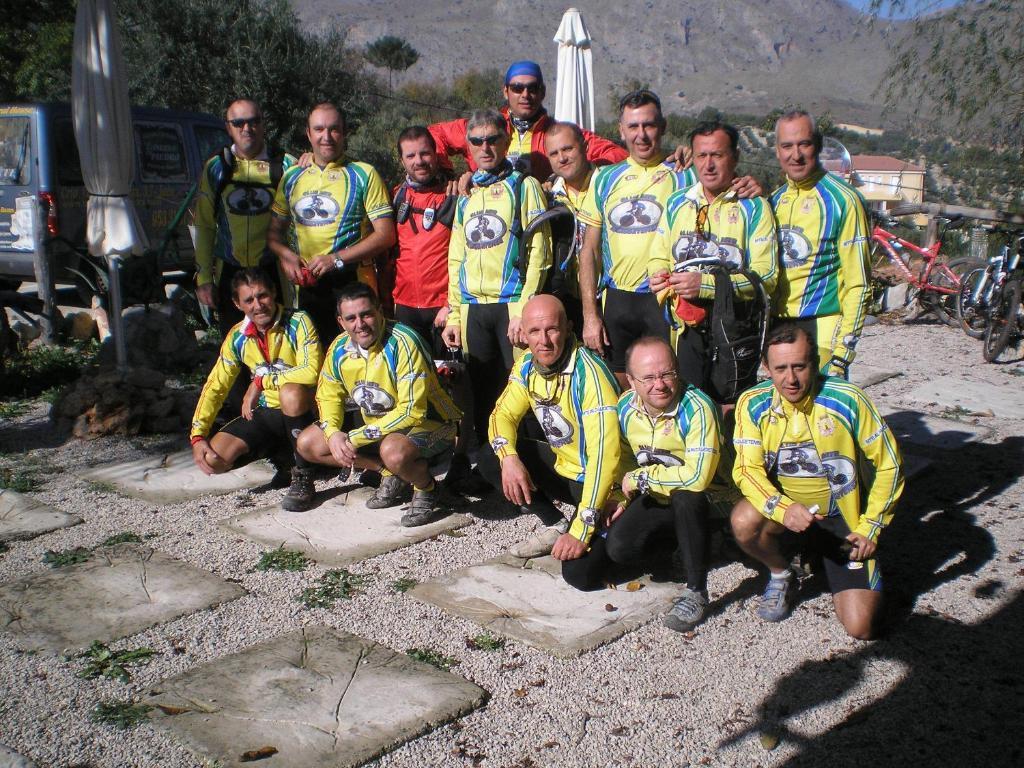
570 449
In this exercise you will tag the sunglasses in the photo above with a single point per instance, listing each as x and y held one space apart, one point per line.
241 122
490 141
702 222
531 88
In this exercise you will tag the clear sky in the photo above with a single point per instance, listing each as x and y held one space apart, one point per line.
910 7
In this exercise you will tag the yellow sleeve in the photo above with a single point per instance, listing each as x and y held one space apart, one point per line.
280 206
590 213
538 249
376 202
411 407
854 285
206 227
880 448
602 447
218 384
456 256
748 471
512 405
331 391
308 357
700 460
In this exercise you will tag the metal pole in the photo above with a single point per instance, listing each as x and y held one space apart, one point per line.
44 277
116 317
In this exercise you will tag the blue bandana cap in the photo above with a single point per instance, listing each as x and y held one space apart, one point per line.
524 67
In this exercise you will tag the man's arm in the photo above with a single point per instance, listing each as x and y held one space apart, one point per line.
594 334
206 230
601 151
450 138
880 448
456 256
215 390
308 357
748 471
331 391
854 285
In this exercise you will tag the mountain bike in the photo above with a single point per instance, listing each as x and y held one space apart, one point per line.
1006 319
978 284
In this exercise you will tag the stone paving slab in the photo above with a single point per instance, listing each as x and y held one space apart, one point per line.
122 589
529 601
318 696
341 530
865 375
916 428
11 759
173 477
999 400
22 517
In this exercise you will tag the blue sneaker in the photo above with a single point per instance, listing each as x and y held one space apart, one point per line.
777 597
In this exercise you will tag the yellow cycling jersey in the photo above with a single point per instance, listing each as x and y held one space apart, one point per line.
576 411
823 450
483 255
739 232
331 208
626 201
393 383
677 450
288 353
823 254
233 228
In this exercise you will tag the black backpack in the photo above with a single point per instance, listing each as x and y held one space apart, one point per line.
276 161
563 234
737 334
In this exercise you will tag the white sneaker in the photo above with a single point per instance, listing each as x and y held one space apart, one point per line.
540 543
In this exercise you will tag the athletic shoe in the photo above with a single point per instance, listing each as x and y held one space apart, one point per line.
424 508
391 492
775 602
540 543
687 611
299 496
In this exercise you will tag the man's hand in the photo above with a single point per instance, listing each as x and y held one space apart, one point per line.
205 295
594 334
203 454
863 547
747 186
305 160
321 265
250 399
629 485
686 285
516 482
568 547
441 318
798 518
515 333
659 280
342 449
291 265
452 336
683 158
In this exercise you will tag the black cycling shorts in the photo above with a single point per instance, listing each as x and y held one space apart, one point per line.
629 316
264 434
421 320
840 572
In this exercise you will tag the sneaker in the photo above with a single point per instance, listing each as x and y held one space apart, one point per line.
540 543
391 492
424 508
299 496
775 602
687 611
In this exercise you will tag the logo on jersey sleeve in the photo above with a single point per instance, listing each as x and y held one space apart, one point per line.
485 230
841 473
249 201
799 460
796 248
264 369
648 455
557 429
371 399
317 209
635 216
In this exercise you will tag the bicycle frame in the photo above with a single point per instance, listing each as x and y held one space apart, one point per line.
893 245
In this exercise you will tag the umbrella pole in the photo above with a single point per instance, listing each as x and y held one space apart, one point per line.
116 318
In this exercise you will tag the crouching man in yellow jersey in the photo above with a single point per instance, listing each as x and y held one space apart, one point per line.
576 454
281 349
409 421
803 442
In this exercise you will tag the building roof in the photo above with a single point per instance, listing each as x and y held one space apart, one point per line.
883 163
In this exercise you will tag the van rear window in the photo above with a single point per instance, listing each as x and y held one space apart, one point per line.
161 153
15 151
69 165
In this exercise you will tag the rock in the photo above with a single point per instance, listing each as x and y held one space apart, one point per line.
26 332
160 408
146 378
167 424
156 338
80 326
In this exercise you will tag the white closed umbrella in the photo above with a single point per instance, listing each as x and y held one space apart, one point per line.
574 97
103 132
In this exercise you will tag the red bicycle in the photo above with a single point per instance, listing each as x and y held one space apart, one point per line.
935 283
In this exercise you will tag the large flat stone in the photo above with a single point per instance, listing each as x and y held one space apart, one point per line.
999 400
529 600
121 590
11 759
341 530
916 428
173 477
22 517
865 375
318 696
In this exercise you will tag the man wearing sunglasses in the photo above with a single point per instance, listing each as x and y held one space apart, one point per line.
232 210
708 220
527 123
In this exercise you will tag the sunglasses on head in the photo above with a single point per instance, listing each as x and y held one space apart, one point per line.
490 141
532 88
241 122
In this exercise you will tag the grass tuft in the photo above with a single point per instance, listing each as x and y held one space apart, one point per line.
403 584
120 714
432 657
333 586
282 559
66 557
103 662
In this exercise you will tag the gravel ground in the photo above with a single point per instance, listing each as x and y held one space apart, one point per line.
935 690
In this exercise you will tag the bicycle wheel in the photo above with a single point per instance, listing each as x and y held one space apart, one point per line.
971 313
941 289
1003 325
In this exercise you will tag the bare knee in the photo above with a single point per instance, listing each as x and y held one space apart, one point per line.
746 521
858 610
295 399
311 444
396 451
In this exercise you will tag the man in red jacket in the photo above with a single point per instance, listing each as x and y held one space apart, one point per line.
528 122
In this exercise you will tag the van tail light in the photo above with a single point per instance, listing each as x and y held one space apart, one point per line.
50 206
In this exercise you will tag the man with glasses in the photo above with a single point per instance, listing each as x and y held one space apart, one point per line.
342 216
527 123
708 220
577 453
487 282
673 432
232 210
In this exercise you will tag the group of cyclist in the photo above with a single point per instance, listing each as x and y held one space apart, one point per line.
558 265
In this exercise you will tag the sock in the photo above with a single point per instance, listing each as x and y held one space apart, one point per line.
780 575
429 488
294 426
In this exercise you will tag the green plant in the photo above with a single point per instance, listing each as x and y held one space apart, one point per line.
485 642
66 557
403 584
332 586
12 410
50 395
120 714
3 547
282 559
432 657
41 368
21 482
103 662
101 486
125 537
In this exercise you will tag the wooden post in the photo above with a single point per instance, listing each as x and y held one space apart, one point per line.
932 232
44 278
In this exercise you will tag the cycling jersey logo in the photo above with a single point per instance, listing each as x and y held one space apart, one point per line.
249 201
648 455
557 430
265 369
799 460
485 230
796 248
371 399
841 473
635 216
316 209
692 246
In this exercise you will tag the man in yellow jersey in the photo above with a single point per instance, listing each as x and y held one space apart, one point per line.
576 454
342 216
709 220
409 421
232 210
823 246
280 348
815 462
488 282
673 432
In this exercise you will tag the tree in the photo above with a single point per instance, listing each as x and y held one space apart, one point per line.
35 52
391 53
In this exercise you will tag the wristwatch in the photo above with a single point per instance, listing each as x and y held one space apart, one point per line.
339 263
589 516
643 484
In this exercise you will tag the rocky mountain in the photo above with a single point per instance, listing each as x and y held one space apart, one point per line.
739 55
